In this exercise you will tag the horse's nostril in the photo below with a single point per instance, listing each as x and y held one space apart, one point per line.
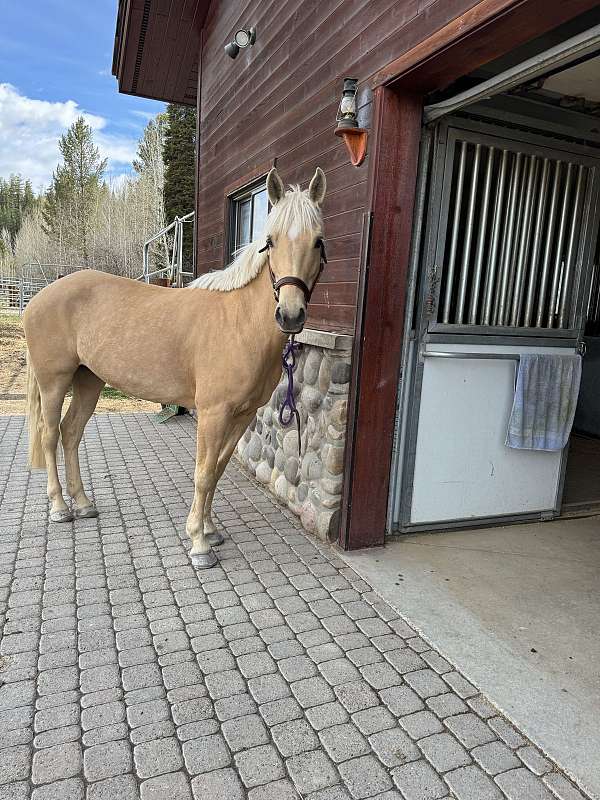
287 322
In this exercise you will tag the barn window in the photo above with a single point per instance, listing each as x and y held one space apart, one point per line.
248 210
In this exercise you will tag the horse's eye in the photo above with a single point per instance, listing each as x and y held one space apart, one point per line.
319 243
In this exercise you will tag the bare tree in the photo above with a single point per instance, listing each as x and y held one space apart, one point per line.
119 217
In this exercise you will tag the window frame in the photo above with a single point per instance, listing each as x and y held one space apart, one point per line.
234 201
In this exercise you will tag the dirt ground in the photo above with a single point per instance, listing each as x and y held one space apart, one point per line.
12 375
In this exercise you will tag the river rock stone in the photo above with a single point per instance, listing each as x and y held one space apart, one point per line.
340 372
333 459
311 466
281 487
255 447
312 485
290 443
332 484
302 492
269 455
311 399
308 517
328 524
313 357
279 459
324 375
291 469
338 414
334 435
263 472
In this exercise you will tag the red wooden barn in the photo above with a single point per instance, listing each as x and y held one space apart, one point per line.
466 239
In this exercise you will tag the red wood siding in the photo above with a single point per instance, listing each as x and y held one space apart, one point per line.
276 103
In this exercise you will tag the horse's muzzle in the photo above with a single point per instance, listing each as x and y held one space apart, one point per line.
290 323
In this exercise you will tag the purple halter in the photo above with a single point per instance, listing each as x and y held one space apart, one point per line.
288 408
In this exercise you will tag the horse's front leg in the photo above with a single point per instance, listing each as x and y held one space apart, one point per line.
212 431
231 439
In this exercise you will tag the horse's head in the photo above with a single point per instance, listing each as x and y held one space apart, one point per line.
295 248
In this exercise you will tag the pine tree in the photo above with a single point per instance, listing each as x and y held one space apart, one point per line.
16 201
179 155
73 194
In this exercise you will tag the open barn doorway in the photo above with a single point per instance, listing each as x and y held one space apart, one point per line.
582 477
507 263
506 269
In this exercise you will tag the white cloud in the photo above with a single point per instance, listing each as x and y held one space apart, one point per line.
29 133
148 115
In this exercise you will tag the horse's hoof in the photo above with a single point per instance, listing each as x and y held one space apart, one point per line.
215 538
204 560
61 516
87 512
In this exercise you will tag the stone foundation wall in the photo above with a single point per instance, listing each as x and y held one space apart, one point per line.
312 485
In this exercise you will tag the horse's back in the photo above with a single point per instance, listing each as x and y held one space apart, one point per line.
77 287
56 315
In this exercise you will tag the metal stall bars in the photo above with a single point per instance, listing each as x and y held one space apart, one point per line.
510 255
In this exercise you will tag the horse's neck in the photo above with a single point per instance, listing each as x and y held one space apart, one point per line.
257 300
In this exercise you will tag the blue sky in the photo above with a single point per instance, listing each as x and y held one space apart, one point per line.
55 63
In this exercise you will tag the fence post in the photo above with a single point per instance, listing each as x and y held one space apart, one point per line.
145 262
180 256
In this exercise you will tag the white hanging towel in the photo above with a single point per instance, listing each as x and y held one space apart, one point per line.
545 401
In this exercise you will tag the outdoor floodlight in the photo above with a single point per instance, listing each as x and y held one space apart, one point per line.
245 37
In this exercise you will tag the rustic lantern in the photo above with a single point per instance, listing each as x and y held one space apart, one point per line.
347 113
355 138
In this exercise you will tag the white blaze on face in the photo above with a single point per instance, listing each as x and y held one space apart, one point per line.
294 231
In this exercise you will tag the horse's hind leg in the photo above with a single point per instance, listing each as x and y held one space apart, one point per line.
86 391
52 395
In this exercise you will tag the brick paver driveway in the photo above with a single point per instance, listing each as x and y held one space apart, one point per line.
125 673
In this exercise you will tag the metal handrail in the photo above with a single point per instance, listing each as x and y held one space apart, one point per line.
174 271
457 354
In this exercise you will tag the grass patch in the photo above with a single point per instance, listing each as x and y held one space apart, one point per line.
114 394
10 320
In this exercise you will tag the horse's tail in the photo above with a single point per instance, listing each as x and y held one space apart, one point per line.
35 420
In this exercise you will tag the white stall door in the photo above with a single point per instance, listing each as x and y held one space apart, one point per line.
463 469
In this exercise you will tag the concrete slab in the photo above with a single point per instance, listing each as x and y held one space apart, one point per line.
517 610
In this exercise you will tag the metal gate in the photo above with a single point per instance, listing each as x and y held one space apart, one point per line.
503 269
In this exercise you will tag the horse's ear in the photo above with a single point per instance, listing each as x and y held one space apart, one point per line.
275 187
318 187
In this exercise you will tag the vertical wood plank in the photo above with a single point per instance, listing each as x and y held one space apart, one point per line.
378 339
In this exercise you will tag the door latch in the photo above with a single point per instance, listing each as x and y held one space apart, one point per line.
581 348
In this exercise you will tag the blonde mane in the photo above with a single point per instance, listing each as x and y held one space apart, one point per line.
294 211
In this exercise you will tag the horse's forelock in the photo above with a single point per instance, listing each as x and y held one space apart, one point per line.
295 212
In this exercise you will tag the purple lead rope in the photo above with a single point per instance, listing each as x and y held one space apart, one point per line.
288 408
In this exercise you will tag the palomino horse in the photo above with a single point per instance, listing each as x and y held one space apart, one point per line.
216 347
